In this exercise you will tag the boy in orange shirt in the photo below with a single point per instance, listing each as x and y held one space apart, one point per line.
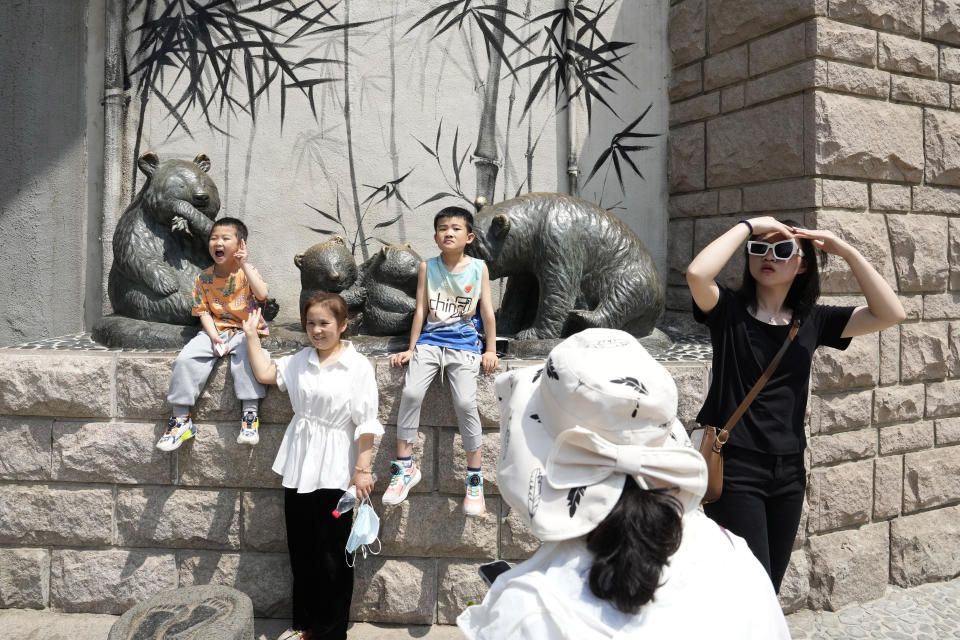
223 297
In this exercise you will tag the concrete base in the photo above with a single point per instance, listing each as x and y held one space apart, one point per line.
212 612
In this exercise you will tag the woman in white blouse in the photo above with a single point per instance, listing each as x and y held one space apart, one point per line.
325 449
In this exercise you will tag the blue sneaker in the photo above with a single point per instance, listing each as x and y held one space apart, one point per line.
179 430
473 503
402 479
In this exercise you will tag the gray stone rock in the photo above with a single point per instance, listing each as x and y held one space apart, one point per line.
925 547
275 407
452 462
685 82
693 205
733 98
24 578
830 413
26 448
870 235
943 398
692 381
686 163
920 91
954 253
849 566
842 447
924 351
861 138
109 452
863 81
786 195
906 55
56 515
778 50
218 400
687 31
460 586
887 487
435 526
679 251
729 201
398 591
264 577
795 588
185 518
844 194
142 383
931 478
858 366
72 384
906 437
898 403
211 612
936 200
949 64
517 542
704 232
890 355
941 21
889 15
840 41
941 306
214 459
947 431
840 496
942 147
725 68
730 22
889 197
263 527
108 581
696 108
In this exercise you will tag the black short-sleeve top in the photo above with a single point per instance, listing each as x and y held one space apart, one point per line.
742 348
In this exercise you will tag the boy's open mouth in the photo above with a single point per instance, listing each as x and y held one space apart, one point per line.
218 253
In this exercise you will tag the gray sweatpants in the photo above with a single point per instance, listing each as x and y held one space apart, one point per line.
462 368
195 362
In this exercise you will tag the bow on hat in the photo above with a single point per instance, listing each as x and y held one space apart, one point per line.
580 457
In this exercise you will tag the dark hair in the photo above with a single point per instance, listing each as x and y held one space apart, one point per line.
330 301
805 290
454 212
238 225
632 545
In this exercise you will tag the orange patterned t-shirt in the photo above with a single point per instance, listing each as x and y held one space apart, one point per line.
229 300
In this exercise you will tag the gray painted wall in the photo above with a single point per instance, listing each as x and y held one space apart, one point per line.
48 126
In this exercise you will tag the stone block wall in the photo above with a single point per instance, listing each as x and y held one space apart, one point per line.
843 115
94 519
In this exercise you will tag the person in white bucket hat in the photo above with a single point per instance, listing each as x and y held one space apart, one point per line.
595 462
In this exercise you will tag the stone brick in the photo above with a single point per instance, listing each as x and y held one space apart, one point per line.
831 39
890 355
941 21
693 205
931 478
844 194
214 459
936 200
954 96
919 251
947 431
26 448
679 250
24 578
942 147
517 542
863 81
678 299
434 526
801 76
52 515
185 518
925 547
460 586
452 462
840 496
109 452
396 591
906 437
725 68
732 98
73 384
842 447
424 453
898 403
920 91
264 577
687 161
779 196
142 383
858 366
692 383
953 363
263 527
913 306
906 55
943 399
688 31
923 352
777 50
889 15
953 253
795 588
696 108
753 145
887 487
108 581
941 306
889 197
218 400
949 64
849 566
831 413
275 408
685 82
861 138
730 22
705 231
729 201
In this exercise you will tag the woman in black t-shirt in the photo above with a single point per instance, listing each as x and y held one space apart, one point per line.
764 477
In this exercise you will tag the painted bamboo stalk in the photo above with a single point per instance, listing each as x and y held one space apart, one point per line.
485 151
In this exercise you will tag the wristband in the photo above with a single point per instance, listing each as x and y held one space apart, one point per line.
749 226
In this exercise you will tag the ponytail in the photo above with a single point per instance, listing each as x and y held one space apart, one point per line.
632 545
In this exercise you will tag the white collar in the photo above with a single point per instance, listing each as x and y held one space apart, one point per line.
343 361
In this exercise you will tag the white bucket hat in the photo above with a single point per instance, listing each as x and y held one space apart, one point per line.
570 431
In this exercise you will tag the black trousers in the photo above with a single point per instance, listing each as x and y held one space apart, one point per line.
322 581
761 502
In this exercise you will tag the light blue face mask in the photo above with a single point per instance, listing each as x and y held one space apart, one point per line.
364 532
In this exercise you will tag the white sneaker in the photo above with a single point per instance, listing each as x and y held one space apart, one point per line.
249 429
402 479
473 503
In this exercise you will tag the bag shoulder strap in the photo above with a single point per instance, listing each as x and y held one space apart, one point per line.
745 403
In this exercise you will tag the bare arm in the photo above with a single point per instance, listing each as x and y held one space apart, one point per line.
419 315
210 328
264 370
257 285
362 475
489 358
703 270
883 306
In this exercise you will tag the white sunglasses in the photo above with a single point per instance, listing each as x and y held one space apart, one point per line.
782 250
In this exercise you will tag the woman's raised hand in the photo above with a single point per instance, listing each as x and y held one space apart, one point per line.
770 225
251 323
826 241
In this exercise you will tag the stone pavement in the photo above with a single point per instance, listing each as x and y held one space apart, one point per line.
927 612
